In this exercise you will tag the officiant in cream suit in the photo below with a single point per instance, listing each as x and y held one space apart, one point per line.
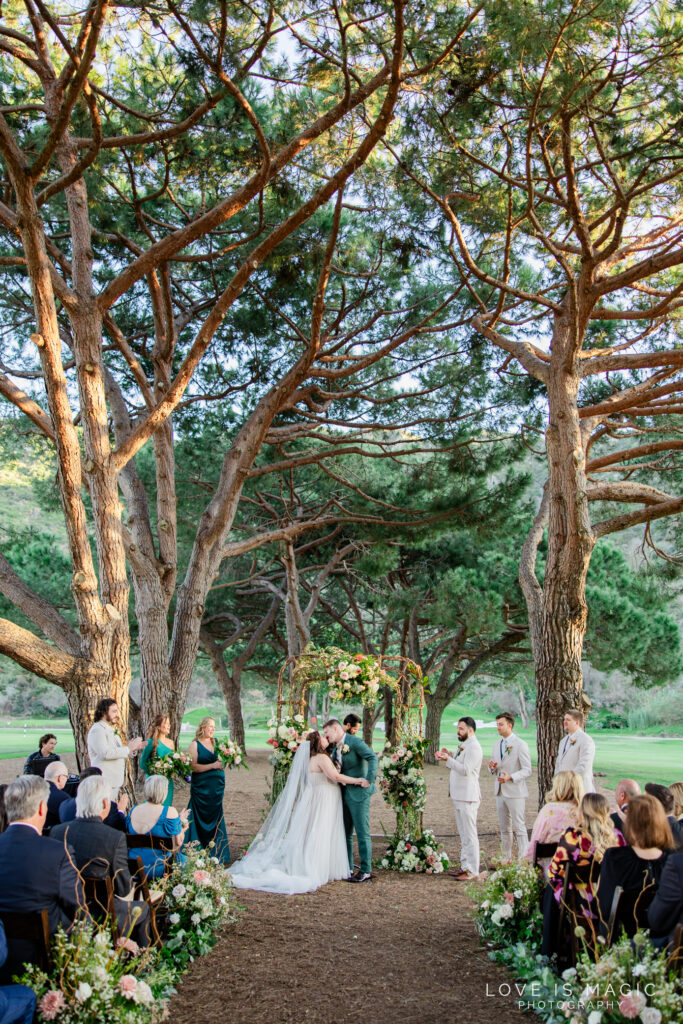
576 751
510 765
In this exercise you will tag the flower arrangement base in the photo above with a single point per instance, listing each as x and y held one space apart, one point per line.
419 853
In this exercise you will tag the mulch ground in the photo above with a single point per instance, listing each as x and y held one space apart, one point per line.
397 950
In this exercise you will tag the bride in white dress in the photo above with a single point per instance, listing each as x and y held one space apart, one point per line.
302 844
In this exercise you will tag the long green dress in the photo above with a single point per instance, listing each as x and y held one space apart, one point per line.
206 806
147 755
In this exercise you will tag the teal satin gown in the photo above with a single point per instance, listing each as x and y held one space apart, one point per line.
147 755
206 807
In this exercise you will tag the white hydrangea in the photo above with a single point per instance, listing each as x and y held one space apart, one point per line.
83 992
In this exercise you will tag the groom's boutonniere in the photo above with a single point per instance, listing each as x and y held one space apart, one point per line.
508 749
572 742
345 748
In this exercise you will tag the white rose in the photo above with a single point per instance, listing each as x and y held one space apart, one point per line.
178 892
282 731
505 912
518 894
595 1017
83 992
485 905
569 973
238 759
196 918
651 1015
174 918
298 718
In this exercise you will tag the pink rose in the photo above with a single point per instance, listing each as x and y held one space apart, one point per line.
632 1004
202 877
128 983
509 898
52 1004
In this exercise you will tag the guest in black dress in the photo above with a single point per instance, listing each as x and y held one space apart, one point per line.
637 868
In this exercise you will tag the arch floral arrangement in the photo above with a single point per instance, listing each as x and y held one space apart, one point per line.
285 735
356 678
412 848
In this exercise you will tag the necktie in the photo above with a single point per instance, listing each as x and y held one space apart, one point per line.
564 748
502 755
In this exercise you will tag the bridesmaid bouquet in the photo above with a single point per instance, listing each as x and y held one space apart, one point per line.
230 754
176 765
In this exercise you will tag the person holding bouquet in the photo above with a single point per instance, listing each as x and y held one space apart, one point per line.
207 787
159 744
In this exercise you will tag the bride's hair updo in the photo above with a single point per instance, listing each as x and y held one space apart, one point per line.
316 741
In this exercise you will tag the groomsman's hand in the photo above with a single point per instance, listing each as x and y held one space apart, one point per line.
492 766
504 777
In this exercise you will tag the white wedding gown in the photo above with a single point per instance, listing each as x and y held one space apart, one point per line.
302 844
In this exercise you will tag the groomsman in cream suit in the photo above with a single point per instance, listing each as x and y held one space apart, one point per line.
577 751
511 765
465 793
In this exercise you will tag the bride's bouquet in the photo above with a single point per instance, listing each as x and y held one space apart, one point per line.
355 679
230 754
176 765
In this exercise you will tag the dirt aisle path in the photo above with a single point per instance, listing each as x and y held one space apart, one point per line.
398 950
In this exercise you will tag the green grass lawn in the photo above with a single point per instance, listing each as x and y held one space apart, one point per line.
619 753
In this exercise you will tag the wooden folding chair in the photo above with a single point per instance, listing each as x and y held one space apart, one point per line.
162 844
544 851
99 899
675 961
26 931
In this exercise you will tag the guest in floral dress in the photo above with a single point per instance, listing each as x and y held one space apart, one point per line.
585 846
560 812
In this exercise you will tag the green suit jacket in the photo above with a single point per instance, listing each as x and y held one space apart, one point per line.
360 762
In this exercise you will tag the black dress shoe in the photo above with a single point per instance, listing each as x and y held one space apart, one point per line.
361 876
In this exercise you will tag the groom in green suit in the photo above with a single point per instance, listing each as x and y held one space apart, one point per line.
355 758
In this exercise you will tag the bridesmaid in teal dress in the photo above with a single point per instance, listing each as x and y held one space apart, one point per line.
158 745
207 823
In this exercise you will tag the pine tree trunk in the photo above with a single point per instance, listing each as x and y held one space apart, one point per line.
435 709
558 611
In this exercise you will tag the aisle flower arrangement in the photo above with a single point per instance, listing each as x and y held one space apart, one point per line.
628 981
419 853
197 901
508 904
230 753
176 765
90 981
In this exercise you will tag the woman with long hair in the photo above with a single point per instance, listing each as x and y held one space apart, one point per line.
207 787
583 845
559 812
302 843
159 744
638 867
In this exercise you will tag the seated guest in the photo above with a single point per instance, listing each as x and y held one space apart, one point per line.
37 873
584 846
666 909
55 775
17 1002
155 818
352 724
626 788
637 868
37 762
666 799
116 817
560 812
100 852
677 793
3 813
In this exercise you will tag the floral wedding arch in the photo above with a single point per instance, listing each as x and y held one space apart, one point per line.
366 679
